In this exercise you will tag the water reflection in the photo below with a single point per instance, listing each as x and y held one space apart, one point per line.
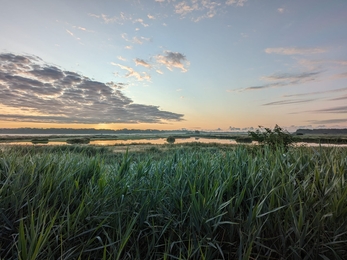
139 141
317 145
163 141
30 143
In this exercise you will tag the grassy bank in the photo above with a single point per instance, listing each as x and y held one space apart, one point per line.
181 203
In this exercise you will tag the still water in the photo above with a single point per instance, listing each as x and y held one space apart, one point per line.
139 141
163 141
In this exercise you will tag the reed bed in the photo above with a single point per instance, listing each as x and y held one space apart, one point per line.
245 203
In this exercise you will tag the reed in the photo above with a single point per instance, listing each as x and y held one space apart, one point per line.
244 203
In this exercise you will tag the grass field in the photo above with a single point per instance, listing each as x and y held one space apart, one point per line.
173 202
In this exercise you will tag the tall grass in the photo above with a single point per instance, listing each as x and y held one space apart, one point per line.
245 203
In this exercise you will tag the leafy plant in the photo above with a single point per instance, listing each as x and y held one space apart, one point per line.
278 137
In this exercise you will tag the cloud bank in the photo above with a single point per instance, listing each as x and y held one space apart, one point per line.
35 91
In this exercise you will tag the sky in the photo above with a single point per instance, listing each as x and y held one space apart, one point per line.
170 64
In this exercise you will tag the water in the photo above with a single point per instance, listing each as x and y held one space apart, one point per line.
163 141
138 141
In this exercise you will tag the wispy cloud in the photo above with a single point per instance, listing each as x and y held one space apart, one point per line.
132 73
295 50
135 39
337 110
142 63
139 20
288 102
291 77
173 60
280 10
120 19
70 33
197 10
329 121
338 98
313 64
183 8
56 95
121 58
316 92
82 29
340 75
236 2
152 17
282 80
201 9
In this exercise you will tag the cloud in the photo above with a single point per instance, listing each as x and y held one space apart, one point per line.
135 39
338 98
69 32
337 110
173 60
198 10
291 77
151 17
313 64
133 73
122 17
282 80
183 8
53 95
340 76
329 121
141 22
295 51
317 92
82 29
142 63
121 58
280 10
236 2
288 102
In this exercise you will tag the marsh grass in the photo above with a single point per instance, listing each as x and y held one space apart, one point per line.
244 203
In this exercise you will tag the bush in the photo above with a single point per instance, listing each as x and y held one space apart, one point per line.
78 141
170 139
275 138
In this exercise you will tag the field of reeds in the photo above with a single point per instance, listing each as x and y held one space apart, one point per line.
246 202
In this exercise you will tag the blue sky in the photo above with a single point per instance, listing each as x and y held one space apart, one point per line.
160 64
